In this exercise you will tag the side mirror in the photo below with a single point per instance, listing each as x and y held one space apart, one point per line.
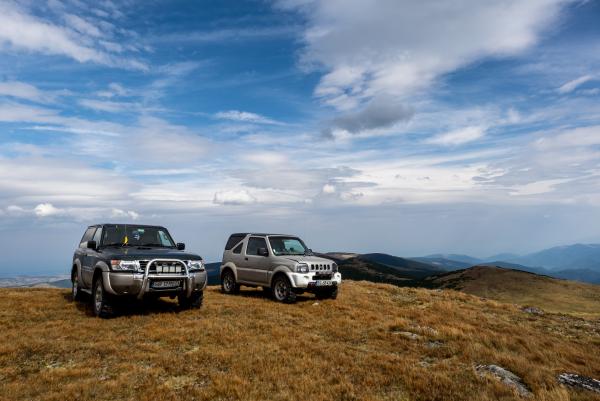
263 252
180 246
92 245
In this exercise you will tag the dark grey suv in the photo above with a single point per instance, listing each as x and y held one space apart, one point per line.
124 260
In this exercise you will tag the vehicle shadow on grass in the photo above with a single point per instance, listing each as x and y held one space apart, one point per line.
259 293
129 306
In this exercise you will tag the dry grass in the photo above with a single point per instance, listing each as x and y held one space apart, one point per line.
514 286
247 347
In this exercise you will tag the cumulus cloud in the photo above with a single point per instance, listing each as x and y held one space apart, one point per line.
574 84
400 47
119 213
458 137
328 189
47 209
240 197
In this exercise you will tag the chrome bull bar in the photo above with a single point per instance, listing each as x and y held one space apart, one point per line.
187 278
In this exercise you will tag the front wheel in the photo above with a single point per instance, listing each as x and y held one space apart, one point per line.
100 301
193 302
228 284
282 290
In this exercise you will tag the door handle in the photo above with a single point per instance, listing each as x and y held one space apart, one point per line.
245 258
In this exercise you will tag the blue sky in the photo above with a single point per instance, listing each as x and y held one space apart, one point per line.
406 127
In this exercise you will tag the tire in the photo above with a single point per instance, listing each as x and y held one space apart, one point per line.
193 302
267 292
101 304
75 287
282 290
228 284
330 293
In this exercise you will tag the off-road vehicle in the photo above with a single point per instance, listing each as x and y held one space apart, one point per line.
137 261
281 264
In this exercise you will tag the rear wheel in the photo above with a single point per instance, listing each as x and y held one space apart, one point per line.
282 290
193 302
228 284
100 300
75 287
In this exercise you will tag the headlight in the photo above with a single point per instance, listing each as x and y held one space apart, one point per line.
125 265
302 268
334 267
195 265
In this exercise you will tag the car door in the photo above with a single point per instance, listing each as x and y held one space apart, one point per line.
255 266
86 270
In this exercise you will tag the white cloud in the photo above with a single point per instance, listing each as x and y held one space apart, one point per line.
238 197
119 213
399 47
47 209
458 137
574 84
328 189
23 31
245 116
22 90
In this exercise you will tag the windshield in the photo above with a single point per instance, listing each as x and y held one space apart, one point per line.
131 235
287 246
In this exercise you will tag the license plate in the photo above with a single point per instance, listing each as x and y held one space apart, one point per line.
324 283
166 284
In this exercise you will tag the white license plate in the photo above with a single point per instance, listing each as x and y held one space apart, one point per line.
166 284
324 283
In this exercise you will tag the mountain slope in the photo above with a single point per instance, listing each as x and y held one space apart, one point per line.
577 256
375 342
524 288
443 264
383 268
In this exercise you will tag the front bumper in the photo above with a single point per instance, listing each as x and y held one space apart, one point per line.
308 281
139 284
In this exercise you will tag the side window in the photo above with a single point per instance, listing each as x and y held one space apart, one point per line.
254 243
234 239
98 236
87 236
238 249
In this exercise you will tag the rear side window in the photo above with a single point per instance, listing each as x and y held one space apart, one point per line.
238 249
233 240
87 236
254 243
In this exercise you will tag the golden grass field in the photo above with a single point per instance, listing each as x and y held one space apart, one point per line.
248 347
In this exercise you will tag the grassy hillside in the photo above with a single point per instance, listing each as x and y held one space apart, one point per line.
375 342
514 286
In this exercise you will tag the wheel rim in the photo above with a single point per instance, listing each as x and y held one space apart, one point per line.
98 298
228 282
281 290
74 287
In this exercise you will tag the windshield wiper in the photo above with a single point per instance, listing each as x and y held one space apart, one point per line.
116 244
154 245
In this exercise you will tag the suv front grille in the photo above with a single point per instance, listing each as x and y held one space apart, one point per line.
320 276
164 267
319 267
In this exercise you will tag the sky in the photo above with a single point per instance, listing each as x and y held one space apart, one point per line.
407 127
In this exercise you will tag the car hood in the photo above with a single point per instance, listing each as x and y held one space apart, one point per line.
306 259
148 254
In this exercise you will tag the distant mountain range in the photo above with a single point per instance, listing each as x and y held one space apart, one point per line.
580 262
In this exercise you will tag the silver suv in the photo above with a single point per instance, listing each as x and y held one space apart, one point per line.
281 264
